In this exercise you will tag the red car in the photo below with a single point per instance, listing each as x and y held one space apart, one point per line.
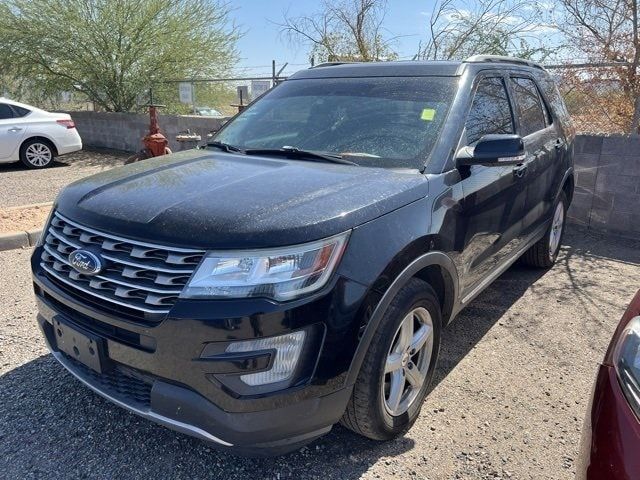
611 434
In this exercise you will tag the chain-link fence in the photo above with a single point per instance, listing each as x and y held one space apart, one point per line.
595 96
593 92
211 97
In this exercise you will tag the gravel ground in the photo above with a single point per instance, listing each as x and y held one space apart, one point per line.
20 186
512 387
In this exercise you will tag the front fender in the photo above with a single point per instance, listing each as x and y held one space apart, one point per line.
428 259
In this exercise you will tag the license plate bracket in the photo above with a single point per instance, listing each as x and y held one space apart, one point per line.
83 346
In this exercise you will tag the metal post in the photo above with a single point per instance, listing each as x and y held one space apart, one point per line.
193 98
273 73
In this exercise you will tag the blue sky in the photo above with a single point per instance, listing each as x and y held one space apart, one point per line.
262 42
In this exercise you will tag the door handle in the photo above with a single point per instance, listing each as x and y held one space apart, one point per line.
519 171
15 129
559 144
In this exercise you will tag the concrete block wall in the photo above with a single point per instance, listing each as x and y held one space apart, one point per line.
607 184
124 131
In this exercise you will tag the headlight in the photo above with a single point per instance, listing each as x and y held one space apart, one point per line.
626 358
280 274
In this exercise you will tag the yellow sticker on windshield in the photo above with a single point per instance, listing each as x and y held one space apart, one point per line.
428 114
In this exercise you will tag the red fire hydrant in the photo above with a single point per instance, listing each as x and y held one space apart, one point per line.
155 143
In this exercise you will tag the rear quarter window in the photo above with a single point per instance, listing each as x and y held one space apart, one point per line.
554 98
529 104
20 111
5 111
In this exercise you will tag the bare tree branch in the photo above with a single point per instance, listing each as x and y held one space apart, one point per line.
346 30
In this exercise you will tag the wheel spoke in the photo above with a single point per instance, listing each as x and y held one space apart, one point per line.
394 362
420 338
414 376
406 332
395 390
407 362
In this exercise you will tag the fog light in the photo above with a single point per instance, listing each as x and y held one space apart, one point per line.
288 348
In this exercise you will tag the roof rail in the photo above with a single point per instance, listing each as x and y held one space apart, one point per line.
331 64
503 59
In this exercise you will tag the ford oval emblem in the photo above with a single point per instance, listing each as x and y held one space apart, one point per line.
85 262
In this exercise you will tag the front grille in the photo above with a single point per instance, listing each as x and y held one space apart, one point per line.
124 384
140 276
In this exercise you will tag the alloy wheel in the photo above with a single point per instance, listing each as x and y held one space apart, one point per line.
408 361
38 154
556 229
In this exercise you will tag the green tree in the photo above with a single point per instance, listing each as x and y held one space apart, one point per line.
113 50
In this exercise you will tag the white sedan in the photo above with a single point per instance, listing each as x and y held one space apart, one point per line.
34 136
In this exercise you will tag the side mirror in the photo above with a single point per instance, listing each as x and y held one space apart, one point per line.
493 150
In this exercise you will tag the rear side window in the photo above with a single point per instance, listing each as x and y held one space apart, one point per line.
5 111
490 111
19 111
529 105
554 98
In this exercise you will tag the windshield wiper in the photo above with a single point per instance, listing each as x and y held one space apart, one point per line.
225 147
298 154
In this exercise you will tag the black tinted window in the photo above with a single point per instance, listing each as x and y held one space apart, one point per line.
490 111
554 98
529 105
5 111
20 112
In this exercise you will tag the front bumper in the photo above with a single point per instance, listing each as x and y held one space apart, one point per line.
610 434
159 374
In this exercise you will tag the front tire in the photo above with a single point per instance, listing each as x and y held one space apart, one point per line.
36 154
397 370
544 253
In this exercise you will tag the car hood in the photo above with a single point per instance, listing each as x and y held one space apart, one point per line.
210 199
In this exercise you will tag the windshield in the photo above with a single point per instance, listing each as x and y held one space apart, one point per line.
390 122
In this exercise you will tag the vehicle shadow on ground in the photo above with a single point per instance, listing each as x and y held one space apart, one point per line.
473 323
21 167
52 424
52 427
582 251
85 158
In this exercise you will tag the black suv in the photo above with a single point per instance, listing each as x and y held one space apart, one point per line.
298 271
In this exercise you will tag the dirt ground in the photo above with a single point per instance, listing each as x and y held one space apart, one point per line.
21 186
14 219
513 383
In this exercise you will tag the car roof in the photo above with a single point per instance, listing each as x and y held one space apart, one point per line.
410 68
23 105
381 69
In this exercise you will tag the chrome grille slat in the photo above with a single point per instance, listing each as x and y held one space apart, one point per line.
112 258
108 278
137 275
